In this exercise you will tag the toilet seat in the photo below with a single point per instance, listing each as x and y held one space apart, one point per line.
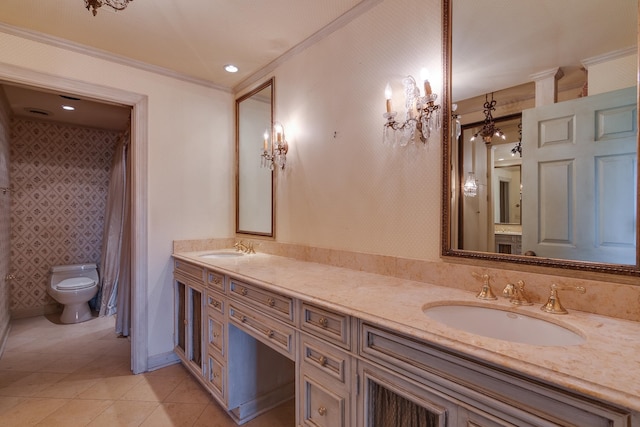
75 283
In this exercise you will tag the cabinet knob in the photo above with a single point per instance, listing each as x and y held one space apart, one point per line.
244 291
216 334
270 333
185 321
216 304
271 302
322 411
243 319
322 360
216 375
323 321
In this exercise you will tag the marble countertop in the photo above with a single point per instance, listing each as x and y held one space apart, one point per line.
606 366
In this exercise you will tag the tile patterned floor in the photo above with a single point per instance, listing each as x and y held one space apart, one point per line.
78 375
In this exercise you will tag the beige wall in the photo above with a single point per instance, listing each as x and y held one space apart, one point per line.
342 188
190 158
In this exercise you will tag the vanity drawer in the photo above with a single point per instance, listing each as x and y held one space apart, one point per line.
215 281
275 334
215 376
279 306
189 270
328 325
326 359
215 334
321 407
215 303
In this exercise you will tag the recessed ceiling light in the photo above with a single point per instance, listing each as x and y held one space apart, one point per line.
230 68
68 107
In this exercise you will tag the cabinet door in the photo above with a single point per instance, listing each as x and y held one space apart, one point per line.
194 325
181 318
322 407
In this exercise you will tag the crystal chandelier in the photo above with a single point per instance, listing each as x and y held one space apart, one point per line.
93 5
518 147
489 128
422 114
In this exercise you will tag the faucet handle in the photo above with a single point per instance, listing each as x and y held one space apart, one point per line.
486 292
553 305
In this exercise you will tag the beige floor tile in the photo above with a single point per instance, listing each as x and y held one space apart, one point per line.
30 411
31 384
8 402
124 414
67 388
75 413
174 415
175 370
112 388
214 416
189 391
282 416
8 377
153 389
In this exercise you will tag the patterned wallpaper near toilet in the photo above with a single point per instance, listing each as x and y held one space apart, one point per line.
5 209
60 175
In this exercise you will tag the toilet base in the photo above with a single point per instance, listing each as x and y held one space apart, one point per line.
76 313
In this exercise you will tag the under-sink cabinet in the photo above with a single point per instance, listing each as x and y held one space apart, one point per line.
260 346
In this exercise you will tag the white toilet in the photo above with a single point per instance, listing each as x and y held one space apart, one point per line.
73 286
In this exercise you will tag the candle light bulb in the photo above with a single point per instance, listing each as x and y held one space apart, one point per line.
424 76
266 139
279 131
387 94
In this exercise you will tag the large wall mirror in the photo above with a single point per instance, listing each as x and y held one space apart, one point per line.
254 183
555 184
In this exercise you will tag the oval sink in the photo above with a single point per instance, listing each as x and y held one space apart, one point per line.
222 254
503 325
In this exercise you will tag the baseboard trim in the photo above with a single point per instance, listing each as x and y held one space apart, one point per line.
36 311
162 360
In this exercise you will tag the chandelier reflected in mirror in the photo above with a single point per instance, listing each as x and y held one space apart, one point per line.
93 5
489 128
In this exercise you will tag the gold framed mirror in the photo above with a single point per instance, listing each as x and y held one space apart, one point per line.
546 61
255 187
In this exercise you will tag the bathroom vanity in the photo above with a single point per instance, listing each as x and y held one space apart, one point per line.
257 330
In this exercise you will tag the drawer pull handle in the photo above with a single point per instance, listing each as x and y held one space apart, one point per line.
216 334
270 333
216 304
322 360
216 280
323 321
271 302
322 411
215 375
244 292
243 319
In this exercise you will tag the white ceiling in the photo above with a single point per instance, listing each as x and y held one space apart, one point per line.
191 39
496 43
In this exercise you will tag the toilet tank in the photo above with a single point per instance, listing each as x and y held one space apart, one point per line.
61 272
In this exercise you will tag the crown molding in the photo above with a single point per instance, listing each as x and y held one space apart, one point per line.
104 55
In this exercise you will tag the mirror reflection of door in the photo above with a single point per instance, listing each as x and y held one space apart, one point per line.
491 220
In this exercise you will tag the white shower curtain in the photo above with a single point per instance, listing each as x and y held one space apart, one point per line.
115 263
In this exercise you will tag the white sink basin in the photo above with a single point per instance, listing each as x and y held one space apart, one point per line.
222 254
503 325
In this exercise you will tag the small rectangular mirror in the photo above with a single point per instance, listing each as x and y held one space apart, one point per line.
254 184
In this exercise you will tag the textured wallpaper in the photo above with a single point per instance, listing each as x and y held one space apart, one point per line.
5 209
60 176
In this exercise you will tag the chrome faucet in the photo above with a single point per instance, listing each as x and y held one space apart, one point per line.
247 248
553 304
516 293
485 292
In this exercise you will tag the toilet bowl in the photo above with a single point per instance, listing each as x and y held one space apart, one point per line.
73 286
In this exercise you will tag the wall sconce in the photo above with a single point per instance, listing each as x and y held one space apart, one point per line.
274 154
422 114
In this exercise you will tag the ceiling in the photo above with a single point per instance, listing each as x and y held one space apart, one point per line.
190 39
494 44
